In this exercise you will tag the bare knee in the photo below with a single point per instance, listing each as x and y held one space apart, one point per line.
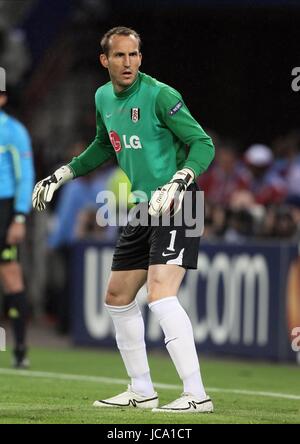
12 277
123 286
155 289
164 281
115 296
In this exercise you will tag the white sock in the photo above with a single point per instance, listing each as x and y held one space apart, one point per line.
179 340
130 337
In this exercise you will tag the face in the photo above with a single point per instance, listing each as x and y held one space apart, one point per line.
123 61
227 159
3 100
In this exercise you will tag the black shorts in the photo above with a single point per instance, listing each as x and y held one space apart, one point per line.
8 253
140 246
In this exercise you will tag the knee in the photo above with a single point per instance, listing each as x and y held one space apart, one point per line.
154 283
115 297
12 279
159 288
155 289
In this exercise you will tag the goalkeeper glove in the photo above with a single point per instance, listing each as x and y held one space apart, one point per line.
44 190
168 199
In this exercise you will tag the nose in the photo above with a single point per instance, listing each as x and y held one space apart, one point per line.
126 61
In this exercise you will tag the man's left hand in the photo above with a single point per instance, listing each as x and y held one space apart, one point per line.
168 199
16 233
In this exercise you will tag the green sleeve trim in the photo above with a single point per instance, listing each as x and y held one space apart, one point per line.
15 155
72 169
17 169
16 161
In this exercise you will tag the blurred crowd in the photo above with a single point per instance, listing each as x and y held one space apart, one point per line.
255 193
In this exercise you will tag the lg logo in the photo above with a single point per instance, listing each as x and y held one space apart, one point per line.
128 142
133 142
296 341
296 81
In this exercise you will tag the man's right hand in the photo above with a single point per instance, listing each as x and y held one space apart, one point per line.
44 190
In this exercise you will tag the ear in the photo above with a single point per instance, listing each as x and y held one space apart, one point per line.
140 59
103 60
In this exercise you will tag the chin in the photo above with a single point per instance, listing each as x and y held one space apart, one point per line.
126 83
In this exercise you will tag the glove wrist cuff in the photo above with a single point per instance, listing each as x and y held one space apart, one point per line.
185 175
64 174
189 171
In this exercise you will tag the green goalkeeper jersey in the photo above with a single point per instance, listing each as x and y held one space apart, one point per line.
147 127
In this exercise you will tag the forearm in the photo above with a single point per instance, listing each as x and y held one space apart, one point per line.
201 154
94 156
98 152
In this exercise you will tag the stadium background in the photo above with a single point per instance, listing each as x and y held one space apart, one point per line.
232 61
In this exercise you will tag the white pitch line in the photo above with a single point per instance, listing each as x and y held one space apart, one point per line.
116 381
254 393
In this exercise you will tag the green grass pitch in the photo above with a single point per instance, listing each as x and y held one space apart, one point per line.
62 384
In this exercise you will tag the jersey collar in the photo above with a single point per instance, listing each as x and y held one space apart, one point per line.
131 89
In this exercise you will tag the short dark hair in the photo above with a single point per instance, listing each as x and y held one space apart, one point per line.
118 30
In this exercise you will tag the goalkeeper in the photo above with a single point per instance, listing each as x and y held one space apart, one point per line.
146 125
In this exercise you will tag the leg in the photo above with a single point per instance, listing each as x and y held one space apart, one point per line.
12 279
129 325
164 281
163 284
123 286
172 251
132 251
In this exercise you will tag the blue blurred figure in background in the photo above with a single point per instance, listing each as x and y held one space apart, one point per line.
16 183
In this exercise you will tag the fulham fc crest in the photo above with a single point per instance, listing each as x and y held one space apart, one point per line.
135 114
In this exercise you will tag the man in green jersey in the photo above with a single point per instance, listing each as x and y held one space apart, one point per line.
146 125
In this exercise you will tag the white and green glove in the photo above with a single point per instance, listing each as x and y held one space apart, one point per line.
168 199
44 190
